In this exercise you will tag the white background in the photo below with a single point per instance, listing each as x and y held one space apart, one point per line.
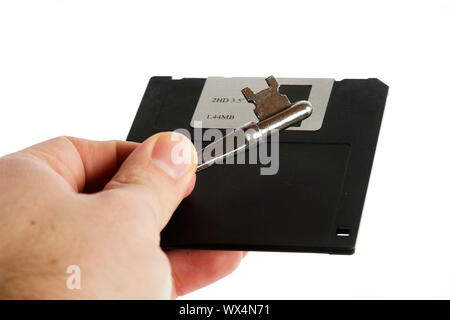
81 67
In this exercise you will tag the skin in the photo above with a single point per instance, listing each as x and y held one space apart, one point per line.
100 206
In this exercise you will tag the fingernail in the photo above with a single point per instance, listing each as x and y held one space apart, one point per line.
174 154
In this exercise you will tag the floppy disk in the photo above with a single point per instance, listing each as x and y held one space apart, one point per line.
302 190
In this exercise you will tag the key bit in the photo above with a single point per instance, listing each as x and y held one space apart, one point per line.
268 101
275 113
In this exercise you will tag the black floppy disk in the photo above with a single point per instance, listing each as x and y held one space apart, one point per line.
306 196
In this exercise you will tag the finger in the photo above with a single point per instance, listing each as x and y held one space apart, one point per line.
85 164
159 172
101 160
191 186
193 269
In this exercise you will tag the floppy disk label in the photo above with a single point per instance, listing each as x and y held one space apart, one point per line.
222 105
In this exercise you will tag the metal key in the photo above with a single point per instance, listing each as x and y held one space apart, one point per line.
274 112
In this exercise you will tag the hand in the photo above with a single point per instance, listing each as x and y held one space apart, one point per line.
100 206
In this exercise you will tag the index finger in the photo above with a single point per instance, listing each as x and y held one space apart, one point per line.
86 165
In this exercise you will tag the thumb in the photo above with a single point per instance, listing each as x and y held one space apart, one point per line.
160 171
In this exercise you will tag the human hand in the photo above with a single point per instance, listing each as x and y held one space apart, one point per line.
100 206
